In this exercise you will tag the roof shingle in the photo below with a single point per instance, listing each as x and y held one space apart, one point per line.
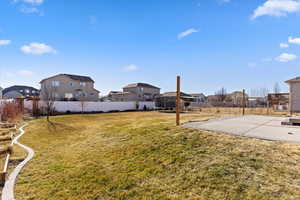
133 85
293 80
74 77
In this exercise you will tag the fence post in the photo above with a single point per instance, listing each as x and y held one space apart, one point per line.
20 102
35 106
178 102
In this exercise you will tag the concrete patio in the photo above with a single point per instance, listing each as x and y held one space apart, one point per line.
256 126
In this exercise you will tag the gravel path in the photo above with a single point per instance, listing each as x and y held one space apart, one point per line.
8 190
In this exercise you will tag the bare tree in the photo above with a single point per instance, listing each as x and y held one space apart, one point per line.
253 92
264 92
48 96
276 88
221 95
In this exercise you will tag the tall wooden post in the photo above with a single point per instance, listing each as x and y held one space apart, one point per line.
244 101
35 106
178 102
20 102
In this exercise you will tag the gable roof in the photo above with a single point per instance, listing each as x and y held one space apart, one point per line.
18 88
73 77
297 79
174 94
146 85
197 95
13 94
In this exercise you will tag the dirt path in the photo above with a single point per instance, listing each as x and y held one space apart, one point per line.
8 190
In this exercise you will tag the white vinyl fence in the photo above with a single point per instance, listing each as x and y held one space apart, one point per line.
77 106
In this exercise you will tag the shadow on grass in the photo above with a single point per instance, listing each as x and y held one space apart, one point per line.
58 127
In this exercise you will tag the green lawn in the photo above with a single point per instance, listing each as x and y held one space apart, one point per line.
144 156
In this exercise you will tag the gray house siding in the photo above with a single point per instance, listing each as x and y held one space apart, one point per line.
143 93
66 88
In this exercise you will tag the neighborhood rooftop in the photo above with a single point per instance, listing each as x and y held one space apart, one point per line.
19 87
293 80
197 94
133 85
74 77
173 94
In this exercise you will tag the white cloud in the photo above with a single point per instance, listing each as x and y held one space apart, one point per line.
33 2
284 45
285 57
25 73
38 2
33 10
131 67
37 49
294 40
186 33
277 8
4 42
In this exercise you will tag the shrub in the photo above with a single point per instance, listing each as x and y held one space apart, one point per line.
10 111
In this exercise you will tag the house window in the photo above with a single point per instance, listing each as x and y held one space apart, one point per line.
82 84
27 91
21 90
68 95
55 83
81 94
71 84
33 91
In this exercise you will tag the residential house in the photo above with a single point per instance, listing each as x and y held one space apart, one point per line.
121 96
279 101
68 87
168 100
228 100
294 94
199 97
135 92
143 91
20 91
257 102
1 89
213 100
237 98
200 100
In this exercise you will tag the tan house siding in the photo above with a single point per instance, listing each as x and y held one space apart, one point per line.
143 93
65 87
135 92
123 96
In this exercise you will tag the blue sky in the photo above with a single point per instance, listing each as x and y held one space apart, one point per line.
234 44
